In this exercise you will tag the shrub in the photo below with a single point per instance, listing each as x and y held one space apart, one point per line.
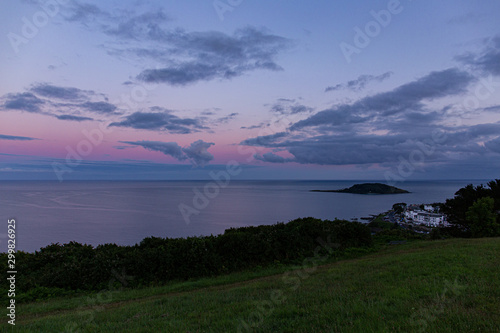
57 269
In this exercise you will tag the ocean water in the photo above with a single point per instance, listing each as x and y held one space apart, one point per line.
125 212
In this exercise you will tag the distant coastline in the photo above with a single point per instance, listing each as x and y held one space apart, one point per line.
368 188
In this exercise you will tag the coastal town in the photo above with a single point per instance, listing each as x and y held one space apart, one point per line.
420 218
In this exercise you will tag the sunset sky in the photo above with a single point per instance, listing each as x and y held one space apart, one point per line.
389 90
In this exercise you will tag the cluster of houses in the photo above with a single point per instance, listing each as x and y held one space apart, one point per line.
428 216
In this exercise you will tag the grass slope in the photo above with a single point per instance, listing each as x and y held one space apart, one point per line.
433 286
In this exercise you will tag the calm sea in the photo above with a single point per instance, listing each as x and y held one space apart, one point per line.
126 212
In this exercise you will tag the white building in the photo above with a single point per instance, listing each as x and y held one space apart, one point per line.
411 214
431 219
416 215
429 208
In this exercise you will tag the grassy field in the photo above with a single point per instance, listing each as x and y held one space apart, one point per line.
423 286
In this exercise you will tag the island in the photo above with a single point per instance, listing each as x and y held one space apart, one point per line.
368 188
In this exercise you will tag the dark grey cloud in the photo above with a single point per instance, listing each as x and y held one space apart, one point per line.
64 103
407 97
51 91
134 26
278 108
99 107
351 148
475 131
205 56
16 138
124 147
300 109
431 144
227 118
347 149
160 121
291 109
264 141
183 74
23 101
182 57
272 158
261 125
488 59
360 83
339 116
84 12
167 148
284 106
72 118
197 152
387 128
208 113
493 145
493 108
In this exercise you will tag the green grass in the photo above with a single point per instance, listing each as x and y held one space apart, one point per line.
433 286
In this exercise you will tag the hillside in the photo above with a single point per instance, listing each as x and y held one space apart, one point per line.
435 286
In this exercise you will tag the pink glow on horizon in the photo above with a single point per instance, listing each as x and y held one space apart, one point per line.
70 138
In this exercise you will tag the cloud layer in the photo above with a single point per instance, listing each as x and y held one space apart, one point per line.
488 60
160 120
16 138
64 103
73 104
197 152
360 83
386 128
181 57
407 97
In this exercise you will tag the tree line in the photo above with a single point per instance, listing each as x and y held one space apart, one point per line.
58 269
474 211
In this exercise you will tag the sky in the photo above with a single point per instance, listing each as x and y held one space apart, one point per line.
183 90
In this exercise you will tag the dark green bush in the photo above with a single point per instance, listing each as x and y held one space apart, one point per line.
57 269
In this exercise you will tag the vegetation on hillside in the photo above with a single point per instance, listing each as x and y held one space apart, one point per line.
475 211
58 269
428 286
